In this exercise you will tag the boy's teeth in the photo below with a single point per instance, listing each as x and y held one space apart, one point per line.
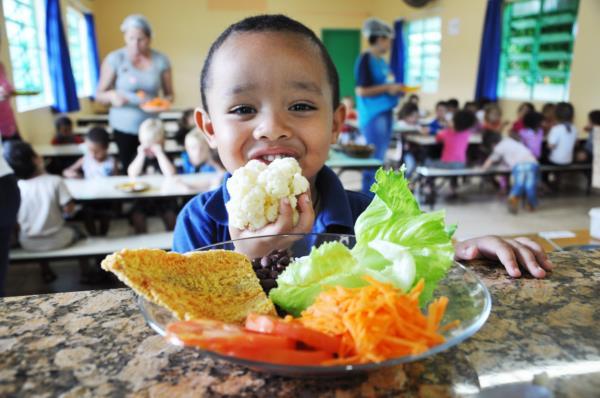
270 158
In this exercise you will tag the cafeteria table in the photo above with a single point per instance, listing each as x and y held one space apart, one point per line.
77 150
542 339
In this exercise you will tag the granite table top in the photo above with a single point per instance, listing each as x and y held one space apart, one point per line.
541 334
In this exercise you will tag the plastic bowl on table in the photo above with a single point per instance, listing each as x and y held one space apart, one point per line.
469 303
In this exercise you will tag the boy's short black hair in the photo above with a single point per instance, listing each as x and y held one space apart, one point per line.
533 120
464 120
20 156
184 116
441 103
594 117
407 109
452 103
564 112
98 135
63 121
490 139
271 23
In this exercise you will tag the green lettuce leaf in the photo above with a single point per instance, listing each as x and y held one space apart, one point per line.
395 243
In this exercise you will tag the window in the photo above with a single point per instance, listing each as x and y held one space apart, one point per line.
537 45
27 48
79 52
423 53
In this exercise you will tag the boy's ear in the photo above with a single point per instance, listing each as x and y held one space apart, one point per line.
205 125
339 115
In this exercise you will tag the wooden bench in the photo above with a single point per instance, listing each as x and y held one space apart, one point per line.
96 246
426 176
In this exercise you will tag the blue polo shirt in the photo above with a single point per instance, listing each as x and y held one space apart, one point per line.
204 221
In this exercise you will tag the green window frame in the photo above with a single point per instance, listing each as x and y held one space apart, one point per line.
423 38
79 52
537 49
24 23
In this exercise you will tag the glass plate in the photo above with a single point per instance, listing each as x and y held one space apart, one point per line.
469 302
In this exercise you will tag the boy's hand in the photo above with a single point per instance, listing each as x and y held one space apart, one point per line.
512 253
283 225
71 174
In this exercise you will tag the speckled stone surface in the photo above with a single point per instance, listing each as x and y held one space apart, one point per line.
95 344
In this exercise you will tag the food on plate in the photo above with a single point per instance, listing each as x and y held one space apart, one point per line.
256 190
268 268
239 342
217 284
133 186
157 103
396 243
376 322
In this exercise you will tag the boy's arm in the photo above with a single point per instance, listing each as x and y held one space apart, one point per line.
73 171
166 167
136 166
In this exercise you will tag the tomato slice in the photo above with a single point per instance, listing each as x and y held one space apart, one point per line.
294 330
280 356
220 336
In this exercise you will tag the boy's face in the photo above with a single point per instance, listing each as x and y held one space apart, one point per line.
440 111
412 118
197 151
65 129
269 97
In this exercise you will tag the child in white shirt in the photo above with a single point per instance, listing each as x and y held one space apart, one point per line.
563 136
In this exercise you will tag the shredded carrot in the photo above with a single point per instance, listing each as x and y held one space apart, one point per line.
377 322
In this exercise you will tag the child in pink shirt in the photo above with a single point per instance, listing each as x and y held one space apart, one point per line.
456 140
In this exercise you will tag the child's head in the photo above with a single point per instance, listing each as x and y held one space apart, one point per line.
564 112
548 110
413 99
97 141
493 113
463 120
64 125
441 109
490 139
186 121
279 98
471 106
151 132
348 103
533 120
594 117
524 109
197 148
409 113
452 104
23 159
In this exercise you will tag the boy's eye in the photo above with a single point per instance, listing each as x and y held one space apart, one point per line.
302 107
242 110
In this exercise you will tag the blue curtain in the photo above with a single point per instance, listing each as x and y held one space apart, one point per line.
59 61
93 46
397 54
489 56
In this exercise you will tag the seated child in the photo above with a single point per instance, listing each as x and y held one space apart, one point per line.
492 118
455 140
440 122
64 132
45 200
349 133
151 159
95 163
523 164
549 117
563 136
452 106
197 157
532 135
523 109
246 124
185 125
408 118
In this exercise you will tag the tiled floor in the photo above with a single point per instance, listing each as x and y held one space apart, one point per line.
477 212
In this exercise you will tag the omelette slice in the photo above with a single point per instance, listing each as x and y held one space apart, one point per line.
216 284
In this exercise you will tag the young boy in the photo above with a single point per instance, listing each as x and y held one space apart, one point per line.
289 106
440 122
151 157
64 132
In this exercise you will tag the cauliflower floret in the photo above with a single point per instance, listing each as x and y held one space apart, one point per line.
256 190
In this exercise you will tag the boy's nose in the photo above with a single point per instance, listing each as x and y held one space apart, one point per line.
271 128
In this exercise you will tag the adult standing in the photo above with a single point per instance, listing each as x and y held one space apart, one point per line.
128 77
376 98
8 124
10 200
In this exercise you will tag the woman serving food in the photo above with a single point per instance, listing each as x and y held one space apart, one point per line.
130 81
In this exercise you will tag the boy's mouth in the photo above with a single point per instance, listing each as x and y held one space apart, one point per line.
269 155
